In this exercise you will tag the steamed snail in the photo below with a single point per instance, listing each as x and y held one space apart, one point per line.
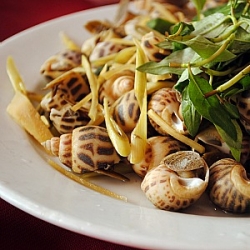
229 186
177 182
86 149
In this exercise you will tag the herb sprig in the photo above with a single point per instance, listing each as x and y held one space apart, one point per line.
210 56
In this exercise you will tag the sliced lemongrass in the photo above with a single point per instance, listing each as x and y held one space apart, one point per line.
82 102
112 174
85 182
140 77
25 114
99 116
14 76
68 43
34 96
169 130
154 86
93 83
67 74
45 120
165 12
139 135
103 60
117 136
124 55
116 68
122 41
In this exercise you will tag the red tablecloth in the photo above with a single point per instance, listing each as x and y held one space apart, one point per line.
19 230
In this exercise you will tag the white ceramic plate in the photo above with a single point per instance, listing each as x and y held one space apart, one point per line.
29 183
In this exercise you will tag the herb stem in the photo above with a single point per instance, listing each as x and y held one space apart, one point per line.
234 80
216 72
229 83
215 55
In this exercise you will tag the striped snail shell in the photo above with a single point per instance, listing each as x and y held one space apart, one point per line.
65 119
165 103
126 111
87 148
116 86
177 182
212 140
154 53
157 148
63 61
229 186
70 87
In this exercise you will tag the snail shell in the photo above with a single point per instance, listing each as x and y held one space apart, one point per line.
243 105
149 47
229 187
105 48
65 119
166 104
70 87
87 148
57 64
116 86
126 111
179 180
157 148
211 137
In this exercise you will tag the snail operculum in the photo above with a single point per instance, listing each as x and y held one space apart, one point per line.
179 181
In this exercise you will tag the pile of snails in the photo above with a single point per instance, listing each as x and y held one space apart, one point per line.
174 176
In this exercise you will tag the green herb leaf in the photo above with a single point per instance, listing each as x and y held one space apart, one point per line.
234 145
192 118
199 4
205 48
159 24
163 67
210 108
186 28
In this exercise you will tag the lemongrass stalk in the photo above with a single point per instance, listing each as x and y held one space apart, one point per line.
165 12
169 130
93 87
103 60
125 55
140 77
68 43
116 69
64 76
122 41
14 76
117 136
154 86
85 182
139 135
82 102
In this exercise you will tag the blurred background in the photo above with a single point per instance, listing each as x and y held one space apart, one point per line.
18 15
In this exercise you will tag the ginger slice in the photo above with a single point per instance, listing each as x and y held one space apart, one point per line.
25 114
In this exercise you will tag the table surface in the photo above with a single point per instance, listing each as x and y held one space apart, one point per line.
19 230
